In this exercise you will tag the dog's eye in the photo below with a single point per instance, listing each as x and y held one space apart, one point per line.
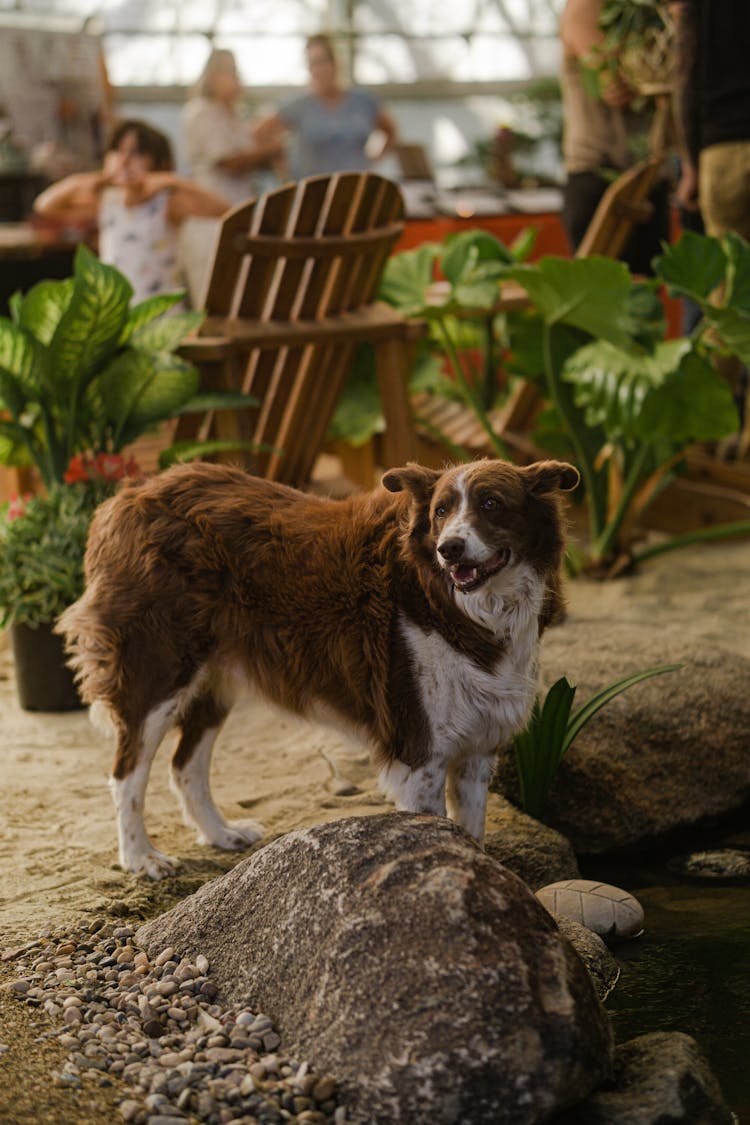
489 504
440 511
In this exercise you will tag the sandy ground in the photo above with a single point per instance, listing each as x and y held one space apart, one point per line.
57 830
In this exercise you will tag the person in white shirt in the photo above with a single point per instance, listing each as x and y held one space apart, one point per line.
219 146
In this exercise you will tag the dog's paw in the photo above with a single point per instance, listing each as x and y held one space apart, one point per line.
234 835
152 864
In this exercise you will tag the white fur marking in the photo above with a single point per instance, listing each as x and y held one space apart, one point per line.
137 853
471 711
460 526
415 790
193 789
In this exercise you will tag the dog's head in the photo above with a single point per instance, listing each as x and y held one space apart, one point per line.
478 521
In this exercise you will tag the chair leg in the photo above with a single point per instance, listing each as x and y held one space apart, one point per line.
392 363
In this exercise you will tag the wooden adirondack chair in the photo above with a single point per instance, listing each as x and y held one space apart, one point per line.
290 295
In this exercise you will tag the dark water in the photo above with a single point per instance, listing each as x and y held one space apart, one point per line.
690 970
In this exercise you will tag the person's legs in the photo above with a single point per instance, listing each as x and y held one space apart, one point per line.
581 196
647 238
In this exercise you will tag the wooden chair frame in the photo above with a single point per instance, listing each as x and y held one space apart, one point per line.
290 295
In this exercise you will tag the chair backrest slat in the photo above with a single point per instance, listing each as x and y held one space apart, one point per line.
303 253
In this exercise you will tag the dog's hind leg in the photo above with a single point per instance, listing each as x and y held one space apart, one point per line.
135 752
468 779
191 766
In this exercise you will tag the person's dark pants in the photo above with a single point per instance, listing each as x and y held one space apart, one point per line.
581 196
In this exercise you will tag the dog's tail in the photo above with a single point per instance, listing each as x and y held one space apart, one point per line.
90 646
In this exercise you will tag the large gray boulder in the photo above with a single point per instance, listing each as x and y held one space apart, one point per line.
393 953
665 754
659 1078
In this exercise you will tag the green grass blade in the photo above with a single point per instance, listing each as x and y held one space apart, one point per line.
589 709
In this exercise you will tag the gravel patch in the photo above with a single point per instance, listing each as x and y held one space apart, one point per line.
157 1030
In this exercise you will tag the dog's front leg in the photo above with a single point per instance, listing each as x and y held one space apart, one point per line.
420 790
468 780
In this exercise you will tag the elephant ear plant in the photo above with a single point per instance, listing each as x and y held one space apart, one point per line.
82 375
629 402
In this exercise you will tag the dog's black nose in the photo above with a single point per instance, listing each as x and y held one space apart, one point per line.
452 549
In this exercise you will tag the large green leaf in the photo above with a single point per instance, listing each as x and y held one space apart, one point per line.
539 748
140 388
90 328
738 272
216 400
407 277
673 395
692 267
41 309
181 451
463 252
22 358
168 332
579 719
733 329
611 385
13 449
692 403
588 293
472 263
145 311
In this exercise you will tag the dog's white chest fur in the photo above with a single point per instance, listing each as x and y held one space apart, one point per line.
471 710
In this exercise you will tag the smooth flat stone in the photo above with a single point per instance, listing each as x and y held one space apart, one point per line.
607 910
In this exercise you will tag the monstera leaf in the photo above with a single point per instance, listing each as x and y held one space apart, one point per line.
673 394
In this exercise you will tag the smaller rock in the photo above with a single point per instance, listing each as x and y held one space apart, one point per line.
721 863
607 910
602 967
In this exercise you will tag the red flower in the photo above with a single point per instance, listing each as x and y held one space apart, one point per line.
77 469
17 505
100 466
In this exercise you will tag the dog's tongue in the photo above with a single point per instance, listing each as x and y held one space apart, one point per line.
465 573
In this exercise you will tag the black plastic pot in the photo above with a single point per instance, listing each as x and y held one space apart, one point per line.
43 680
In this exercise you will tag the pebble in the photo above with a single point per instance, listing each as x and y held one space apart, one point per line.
608 911
154 1028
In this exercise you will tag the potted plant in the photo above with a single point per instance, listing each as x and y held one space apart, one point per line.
638 44
42 545
82 376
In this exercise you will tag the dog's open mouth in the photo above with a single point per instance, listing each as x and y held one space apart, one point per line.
467 576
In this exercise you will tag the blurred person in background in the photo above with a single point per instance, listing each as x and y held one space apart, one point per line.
332 125
600 138
137 204
220 148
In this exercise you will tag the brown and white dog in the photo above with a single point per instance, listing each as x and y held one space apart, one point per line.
412 614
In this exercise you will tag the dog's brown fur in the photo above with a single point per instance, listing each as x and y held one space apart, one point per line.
204 572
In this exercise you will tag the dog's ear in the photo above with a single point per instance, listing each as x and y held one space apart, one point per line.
412 478
546 476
